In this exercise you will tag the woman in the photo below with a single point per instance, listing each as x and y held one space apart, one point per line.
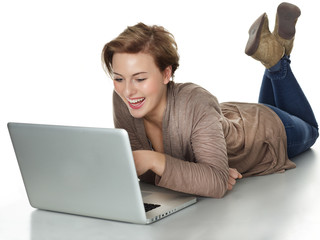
181 137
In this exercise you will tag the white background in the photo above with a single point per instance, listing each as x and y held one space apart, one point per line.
50 67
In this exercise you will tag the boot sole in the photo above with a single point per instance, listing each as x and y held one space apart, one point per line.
254 35
287 16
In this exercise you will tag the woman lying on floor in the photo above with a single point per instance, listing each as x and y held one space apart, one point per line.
182 138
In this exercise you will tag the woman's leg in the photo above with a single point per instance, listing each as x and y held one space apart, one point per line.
287 92
282 93
300 134
266 95
280 89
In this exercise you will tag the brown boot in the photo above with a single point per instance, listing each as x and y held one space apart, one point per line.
284 29
262 45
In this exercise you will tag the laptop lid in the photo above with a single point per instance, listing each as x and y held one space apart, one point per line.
86 171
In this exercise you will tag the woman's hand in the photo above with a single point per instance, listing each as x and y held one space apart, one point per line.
233 175
149 160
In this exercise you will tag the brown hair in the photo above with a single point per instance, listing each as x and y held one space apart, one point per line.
154 40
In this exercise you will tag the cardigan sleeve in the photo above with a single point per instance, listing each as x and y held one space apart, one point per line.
205 172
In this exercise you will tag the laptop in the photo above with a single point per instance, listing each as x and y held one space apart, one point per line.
89 172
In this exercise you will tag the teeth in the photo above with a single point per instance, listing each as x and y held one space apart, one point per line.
136 100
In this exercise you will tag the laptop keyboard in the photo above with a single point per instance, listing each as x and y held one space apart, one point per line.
149 206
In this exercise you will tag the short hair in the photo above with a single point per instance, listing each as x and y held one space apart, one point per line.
153 40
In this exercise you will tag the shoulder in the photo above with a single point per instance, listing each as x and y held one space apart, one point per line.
192 95
187 88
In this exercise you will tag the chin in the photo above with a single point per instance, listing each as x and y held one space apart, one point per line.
136 113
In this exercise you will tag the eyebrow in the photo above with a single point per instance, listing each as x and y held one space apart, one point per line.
132 75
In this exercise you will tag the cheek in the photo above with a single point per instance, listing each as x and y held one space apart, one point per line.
117 87
151 88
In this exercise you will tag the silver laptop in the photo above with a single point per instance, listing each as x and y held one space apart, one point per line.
89 172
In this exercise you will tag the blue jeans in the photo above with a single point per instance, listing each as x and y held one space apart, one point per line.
281 92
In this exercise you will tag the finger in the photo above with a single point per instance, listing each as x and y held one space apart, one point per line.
232 181
233 173
229 187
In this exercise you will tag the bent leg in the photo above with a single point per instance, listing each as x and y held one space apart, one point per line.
281 92
286 93
266 95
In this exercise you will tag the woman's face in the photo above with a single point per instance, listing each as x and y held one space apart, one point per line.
140 84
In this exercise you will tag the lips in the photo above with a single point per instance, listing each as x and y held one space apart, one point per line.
135 103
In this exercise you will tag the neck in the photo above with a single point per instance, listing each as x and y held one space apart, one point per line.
155 121
155 118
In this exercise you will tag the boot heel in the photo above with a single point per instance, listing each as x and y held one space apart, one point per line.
254 35
262 45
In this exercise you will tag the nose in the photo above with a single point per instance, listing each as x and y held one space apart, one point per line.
129 88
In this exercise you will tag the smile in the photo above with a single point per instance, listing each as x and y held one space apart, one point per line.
136 103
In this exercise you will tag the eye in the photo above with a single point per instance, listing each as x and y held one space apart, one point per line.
118 79
141 79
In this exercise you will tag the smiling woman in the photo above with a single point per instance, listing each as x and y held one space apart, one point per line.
140 84
181 136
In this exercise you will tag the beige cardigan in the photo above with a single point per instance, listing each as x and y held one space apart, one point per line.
203 138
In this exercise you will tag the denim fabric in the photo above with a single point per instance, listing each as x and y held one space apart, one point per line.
281 92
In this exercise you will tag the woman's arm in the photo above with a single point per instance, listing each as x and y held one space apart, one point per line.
149 160
196 156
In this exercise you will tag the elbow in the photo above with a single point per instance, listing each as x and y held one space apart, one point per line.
221 194
215 194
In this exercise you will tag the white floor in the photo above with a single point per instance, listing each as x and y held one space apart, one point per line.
278 206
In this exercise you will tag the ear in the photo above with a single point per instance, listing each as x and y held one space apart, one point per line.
167 74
